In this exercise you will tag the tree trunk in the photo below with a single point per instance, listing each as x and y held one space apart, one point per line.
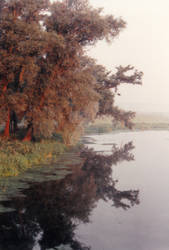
21 74
13 122
5 84
29 133
7 126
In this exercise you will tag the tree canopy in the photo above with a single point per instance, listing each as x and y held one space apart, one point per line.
47 81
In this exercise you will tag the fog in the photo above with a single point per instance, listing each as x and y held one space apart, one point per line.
143 44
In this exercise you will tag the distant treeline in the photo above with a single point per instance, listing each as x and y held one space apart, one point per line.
142 121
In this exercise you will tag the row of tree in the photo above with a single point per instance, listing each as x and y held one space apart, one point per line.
46 79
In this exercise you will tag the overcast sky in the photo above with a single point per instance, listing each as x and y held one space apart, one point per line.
143 44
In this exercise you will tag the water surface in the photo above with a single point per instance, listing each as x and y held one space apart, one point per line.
101 200
142 227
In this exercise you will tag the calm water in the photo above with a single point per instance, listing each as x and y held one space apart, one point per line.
142 227
99 200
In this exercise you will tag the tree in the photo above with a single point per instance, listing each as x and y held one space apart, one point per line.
46 77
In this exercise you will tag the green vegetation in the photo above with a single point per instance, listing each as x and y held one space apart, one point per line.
99 128
147 121
16 157
142 121
151 126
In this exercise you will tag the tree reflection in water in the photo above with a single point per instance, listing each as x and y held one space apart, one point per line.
50 211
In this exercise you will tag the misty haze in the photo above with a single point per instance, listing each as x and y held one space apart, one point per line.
84 125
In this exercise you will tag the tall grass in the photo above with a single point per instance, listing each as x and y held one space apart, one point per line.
16 156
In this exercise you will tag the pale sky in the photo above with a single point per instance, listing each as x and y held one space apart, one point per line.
144 44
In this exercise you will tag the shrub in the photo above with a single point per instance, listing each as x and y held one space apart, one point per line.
16 157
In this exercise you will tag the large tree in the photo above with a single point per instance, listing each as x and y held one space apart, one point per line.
46 77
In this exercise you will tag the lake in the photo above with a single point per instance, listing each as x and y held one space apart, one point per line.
114 197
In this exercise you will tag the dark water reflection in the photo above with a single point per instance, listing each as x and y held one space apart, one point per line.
48 213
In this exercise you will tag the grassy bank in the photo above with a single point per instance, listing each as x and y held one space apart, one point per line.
99 128
142 121
16 157
107 128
